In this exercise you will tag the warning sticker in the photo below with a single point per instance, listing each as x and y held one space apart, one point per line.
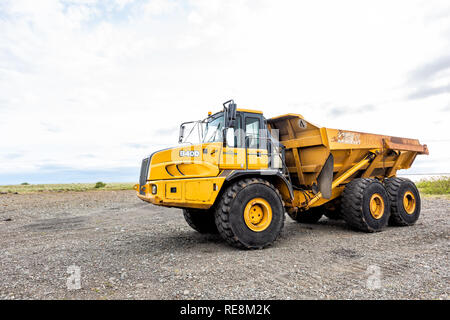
302 124
348 137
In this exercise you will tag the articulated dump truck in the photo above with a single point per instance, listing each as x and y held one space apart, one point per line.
237 173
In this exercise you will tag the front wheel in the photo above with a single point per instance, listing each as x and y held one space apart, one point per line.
250 214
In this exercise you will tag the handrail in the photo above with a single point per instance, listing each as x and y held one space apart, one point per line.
270 154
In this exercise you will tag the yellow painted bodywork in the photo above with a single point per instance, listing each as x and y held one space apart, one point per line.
199 193
169 164
194 172
192 176
313 200
249 111
308 147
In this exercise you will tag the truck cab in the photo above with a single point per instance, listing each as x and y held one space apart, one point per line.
230 143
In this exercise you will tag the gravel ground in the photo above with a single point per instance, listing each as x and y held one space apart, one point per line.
127 249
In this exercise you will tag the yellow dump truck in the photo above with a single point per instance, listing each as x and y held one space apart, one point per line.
237 173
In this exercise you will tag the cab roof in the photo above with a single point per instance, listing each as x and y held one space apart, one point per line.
249 110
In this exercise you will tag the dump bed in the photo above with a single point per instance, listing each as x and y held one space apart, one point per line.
308 147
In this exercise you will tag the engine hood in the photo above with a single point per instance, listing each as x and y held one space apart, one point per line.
201 160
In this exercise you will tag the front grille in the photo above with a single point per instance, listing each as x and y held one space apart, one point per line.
144 174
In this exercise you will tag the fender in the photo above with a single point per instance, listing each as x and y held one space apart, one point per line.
234 174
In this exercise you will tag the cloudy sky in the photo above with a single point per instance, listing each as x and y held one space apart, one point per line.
88 88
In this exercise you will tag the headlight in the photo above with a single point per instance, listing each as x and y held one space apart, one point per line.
154 188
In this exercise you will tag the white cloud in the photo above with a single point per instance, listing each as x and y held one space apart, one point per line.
108 75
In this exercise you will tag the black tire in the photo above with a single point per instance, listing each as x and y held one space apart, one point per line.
200 220
230 214
398 189
356 200
309 216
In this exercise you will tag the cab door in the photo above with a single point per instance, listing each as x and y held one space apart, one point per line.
233 154
255 142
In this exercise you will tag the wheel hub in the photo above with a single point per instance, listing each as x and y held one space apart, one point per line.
257 214
409 202
376 206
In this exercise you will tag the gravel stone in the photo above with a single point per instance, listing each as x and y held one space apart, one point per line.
124 248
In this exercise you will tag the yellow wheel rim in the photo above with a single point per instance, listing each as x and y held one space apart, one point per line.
258 214
376 206
409 202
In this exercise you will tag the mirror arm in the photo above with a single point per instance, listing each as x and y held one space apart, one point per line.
224 135
229 113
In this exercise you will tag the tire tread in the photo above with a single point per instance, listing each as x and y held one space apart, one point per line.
223 211
352 204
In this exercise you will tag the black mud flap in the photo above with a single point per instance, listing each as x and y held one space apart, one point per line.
325 178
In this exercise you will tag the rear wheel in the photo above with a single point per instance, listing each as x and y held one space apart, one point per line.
250 214
365 205
311 215
405 201
200 220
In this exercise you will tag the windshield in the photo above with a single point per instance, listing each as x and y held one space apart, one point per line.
213 129
203 131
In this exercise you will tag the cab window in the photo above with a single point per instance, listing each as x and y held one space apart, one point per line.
252 126
234 135
213 129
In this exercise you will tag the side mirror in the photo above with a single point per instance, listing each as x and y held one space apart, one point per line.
230 113
181 135
232 108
